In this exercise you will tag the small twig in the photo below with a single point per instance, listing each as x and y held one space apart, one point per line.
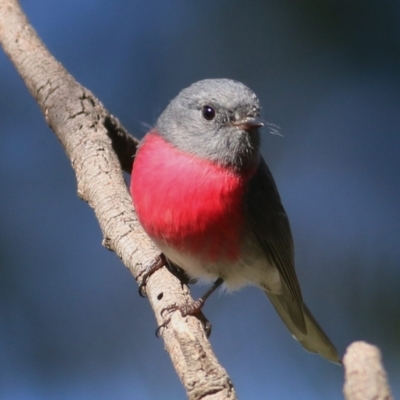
365 377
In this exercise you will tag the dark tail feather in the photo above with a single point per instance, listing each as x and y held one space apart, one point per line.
314 339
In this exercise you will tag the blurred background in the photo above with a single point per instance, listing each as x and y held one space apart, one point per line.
72 325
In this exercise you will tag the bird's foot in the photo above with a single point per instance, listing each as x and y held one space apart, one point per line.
192 308
158 263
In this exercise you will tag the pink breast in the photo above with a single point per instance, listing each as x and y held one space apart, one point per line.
189 203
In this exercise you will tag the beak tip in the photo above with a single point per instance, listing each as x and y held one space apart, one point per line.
251 124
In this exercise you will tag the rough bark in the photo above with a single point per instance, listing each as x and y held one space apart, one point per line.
98 147
365 377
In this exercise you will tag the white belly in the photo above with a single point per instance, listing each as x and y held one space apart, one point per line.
251 270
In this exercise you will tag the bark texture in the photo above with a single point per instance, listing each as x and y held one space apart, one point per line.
99 148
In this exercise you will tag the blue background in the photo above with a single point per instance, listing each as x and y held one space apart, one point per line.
72 325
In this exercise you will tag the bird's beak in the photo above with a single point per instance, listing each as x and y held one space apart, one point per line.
248 124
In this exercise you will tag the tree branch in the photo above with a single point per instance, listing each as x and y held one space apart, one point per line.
365 377
98 145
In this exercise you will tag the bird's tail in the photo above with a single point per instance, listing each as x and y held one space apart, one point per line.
314 339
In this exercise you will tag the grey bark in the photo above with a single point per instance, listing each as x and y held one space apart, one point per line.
99 147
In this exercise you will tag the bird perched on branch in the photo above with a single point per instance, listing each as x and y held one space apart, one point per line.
204 194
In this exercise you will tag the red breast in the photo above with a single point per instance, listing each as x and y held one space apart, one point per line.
189 203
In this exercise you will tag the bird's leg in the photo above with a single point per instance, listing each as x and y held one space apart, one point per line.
196 306
158 263
192 308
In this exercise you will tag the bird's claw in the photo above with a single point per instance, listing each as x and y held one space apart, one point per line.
193 308
158 263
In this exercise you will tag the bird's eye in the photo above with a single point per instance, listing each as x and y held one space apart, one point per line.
208 113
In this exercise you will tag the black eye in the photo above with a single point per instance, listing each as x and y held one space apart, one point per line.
208 113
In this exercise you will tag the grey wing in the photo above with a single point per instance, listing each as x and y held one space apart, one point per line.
269 223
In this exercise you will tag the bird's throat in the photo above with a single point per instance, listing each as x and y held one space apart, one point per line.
188 203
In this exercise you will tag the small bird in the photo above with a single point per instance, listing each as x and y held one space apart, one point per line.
204 194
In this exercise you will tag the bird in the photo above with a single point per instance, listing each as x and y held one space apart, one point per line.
204 194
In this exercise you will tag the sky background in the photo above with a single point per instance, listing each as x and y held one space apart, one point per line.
72 325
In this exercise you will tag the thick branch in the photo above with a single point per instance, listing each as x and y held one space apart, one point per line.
98 145
365 377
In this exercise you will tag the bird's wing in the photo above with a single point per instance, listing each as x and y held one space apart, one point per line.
268 222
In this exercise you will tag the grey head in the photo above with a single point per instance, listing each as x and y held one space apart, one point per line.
217 120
